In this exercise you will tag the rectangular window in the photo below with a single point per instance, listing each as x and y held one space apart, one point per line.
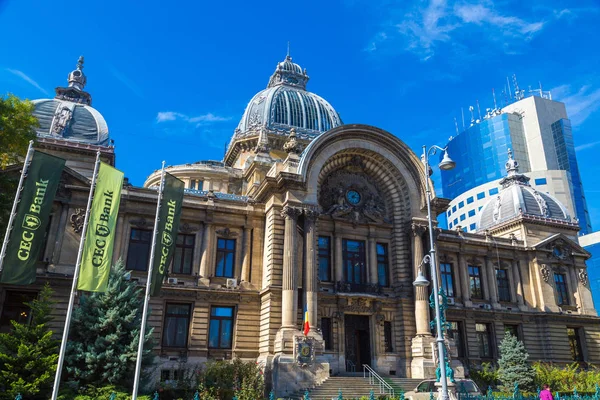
472 227
184 254
454 209
354 261
455 221
15 309
503 285
193 184
177 325
560 281
463 217
324 258
387 337
541 181
513 330
327 333
383 264
480 195
470 200
200 185
484 340
455 332
220 332
447 281
449 213
493 191
225 257
471 213
574 335
475 282
461 204
138 253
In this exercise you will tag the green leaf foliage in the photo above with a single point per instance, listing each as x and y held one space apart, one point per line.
513 366
565 379
17 128
28 354
237 378
104 335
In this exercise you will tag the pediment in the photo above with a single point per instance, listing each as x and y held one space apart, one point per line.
560 247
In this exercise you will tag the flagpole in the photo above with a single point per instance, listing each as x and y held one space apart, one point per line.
13 212
138 364
63 344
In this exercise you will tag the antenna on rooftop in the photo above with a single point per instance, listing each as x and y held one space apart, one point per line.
494 96
472 115
478 109
508 85
462 112
518 93
456 126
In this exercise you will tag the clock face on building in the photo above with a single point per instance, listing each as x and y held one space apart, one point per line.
353 197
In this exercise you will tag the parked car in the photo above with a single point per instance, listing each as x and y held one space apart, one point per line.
423 389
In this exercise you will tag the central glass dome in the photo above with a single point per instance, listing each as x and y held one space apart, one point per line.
285 104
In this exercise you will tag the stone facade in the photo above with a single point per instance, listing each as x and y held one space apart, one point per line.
340 227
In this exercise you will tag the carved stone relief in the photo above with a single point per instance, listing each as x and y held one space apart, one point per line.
583 277
350 194
77 219
545 272
226 232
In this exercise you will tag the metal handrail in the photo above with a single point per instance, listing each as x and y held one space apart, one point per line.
374 376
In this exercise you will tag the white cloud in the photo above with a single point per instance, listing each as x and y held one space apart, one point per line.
166 116
27 79
587 146
128 83
430 24
580 103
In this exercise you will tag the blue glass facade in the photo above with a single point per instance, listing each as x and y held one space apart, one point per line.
567 160
481 151
593 270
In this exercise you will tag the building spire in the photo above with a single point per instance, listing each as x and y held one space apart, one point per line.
288 51
77 78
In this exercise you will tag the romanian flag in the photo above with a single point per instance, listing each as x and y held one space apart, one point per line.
306 325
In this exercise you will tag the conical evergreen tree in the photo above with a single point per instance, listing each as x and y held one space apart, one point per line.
513 366
104 335
28 354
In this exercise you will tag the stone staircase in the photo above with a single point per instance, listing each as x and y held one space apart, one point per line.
353 387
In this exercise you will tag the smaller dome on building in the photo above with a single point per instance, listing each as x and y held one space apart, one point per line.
70 115
518 198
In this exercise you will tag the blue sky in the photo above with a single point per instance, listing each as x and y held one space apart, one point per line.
173 78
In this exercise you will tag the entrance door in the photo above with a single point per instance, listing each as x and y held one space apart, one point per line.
358 342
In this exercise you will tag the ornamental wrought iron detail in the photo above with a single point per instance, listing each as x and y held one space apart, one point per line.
351 287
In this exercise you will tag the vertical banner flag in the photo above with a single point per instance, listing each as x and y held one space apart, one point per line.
168 225
99 241
29 228
306 324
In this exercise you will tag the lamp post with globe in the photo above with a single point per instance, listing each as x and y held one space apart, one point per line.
445 164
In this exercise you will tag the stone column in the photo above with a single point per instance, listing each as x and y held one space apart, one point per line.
372 263
518 284
207 240
338 265
289 295
310 277
246 256
463 271
421 293
492 285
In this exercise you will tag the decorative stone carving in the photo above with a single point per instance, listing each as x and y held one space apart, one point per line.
291 146
226 233
350 194
583 277
417 229
62 116
290 212
545 272
497 205
187 228
77 219
542 203
359 305
304 350
311 214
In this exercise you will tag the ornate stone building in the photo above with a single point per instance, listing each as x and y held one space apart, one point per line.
306 210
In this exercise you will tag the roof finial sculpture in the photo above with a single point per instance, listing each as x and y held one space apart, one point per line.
512 166
77 78
291 146
80 63
288 51
512 173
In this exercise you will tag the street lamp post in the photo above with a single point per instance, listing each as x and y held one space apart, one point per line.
445 164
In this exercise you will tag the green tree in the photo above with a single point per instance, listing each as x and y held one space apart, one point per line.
104 335
17 128
28 354
513 366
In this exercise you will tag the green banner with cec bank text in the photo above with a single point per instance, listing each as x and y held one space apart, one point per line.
168 225
27 236
98 249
